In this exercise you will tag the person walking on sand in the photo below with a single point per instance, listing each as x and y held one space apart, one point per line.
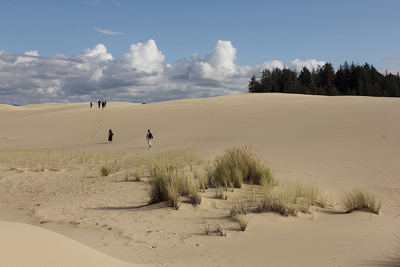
99 103
149 137
110 135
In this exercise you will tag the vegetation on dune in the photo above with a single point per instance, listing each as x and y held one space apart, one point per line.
178 176
240 165
105 170
360 199
170 184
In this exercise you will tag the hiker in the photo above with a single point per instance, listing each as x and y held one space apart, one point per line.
102 105
149 137
99 103
91 104
110 135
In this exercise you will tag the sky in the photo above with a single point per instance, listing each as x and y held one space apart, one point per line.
159 50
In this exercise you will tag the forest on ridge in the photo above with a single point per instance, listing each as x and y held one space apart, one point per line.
363 80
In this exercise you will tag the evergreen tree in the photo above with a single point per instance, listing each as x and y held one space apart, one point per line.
254 85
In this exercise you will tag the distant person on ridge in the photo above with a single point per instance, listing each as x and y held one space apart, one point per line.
149 137
110 135
91 104
99 103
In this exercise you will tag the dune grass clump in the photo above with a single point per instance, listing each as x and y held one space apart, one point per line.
194 195
170 184
243 220
360 199
289 199
279 200
202 179
105 170
240 165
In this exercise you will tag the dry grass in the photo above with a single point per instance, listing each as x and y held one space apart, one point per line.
238 165
243 221
239 206
220 194
178 176
289 199
170 184
207 229
138 175
360 199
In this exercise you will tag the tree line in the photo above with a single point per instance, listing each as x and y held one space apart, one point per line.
352 79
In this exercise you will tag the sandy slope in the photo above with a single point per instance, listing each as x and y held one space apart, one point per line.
335 142
26 245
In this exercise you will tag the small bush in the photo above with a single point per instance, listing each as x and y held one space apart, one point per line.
360 199
105 170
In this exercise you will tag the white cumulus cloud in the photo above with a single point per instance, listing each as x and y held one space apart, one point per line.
138 76
310 64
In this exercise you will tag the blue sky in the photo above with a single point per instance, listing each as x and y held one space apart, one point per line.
220 43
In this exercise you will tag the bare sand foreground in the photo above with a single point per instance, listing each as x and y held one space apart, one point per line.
51 156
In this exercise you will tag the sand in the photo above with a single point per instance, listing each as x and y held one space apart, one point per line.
62 212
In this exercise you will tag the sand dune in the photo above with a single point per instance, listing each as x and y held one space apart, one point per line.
334 142
26 245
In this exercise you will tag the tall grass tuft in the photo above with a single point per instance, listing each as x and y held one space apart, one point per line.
240 164
105 170
360 199
169 184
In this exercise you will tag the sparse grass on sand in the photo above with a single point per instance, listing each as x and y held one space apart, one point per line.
177 176
288 199
360 199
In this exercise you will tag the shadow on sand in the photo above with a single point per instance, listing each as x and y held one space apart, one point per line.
145 207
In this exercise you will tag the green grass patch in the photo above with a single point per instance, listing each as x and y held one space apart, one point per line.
105 170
